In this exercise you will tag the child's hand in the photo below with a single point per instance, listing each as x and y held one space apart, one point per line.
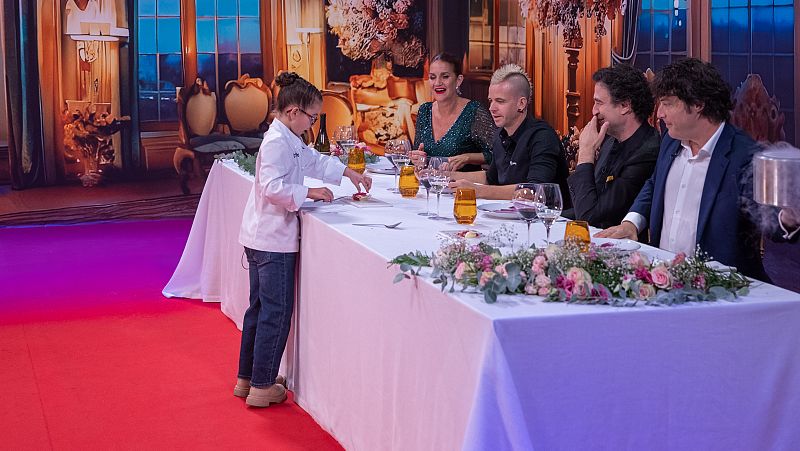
358 180
323 194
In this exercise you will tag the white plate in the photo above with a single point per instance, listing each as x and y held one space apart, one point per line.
717 266
459 235
623 245
499 210
383 164
381 170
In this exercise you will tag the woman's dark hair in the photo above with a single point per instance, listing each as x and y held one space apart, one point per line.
296 91
451 60
696 83
627 84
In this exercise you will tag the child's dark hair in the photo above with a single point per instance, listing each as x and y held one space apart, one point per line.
296 91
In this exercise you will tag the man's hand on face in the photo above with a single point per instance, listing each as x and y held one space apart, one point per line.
590 140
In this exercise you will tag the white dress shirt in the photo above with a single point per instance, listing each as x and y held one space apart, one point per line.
682 195
270 217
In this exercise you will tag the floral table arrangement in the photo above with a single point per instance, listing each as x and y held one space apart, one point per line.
87 137
572 273
369 157
245 161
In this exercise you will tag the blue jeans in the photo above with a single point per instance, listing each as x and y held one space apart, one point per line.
266 322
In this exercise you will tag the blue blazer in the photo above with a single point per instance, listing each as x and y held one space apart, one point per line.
725 227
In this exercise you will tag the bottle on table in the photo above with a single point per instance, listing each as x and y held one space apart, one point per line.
322 144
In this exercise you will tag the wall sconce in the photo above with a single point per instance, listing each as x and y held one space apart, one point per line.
97 22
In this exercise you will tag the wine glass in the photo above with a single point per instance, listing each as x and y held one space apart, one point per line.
397 151
548 205
525 203
423 175
439 178
345 137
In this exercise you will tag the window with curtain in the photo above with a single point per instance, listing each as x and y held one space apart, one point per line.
496 35
160 59
757 36
228 40
661 35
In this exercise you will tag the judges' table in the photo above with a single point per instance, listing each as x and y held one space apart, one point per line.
212 266
405 366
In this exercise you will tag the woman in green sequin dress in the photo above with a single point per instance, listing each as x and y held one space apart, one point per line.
452 126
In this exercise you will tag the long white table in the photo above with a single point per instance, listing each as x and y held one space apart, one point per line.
405 366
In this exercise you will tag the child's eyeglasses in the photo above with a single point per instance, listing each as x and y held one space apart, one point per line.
311 117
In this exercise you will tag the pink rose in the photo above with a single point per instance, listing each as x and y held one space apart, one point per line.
501 269
539 264
661 276
486 277
531 289
680 257
638 260
646 291
544 291
579 276
542 281
565 284
643 274
459 274
699 282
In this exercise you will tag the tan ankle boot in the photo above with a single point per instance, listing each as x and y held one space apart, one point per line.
242 388
263 397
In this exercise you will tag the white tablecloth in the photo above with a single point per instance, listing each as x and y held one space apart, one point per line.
405 366
212 267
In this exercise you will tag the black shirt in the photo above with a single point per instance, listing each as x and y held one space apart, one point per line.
603 192
533 154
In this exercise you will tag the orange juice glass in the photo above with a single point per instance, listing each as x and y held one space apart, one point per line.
465 209
356 161
409 184
578 231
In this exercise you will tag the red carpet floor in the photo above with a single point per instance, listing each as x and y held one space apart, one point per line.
93 357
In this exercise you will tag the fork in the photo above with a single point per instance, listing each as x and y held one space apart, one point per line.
388 226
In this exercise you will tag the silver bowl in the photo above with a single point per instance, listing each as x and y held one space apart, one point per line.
776 176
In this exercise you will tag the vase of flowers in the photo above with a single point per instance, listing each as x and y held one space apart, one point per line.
87 139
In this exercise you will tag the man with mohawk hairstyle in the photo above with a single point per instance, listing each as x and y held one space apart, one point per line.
525 149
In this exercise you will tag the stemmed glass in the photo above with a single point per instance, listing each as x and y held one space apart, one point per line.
345 137
548 205
525 202
439 178
423 175
397 151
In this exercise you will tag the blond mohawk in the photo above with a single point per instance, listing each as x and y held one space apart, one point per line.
515 74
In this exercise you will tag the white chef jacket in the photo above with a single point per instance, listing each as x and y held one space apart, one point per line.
270 220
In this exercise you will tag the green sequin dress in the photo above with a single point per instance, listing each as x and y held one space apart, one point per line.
472 132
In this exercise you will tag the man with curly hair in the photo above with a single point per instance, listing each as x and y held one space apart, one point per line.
605 184
701 191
